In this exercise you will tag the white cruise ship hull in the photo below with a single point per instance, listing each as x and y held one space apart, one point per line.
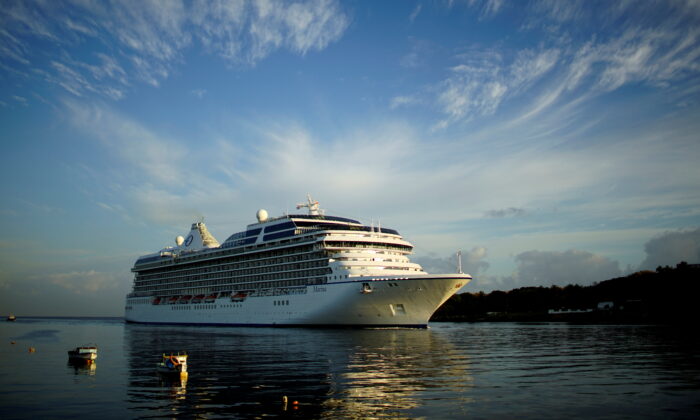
387 302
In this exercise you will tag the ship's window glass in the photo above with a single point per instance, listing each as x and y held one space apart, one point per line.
281 226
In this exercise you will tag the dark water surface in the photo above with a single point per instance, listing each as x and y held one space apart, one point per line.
480 370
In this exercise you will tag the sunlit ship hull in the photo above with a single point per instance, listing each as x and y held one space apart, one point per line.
392 302
303 270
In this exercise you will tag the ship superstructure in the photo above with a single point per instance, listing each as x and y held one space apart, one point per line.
297 269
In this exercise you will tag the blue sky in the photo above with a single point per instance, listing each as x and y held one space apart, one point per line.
553 142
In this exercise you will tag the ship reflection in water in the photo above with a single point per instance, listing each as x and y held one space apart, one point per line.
82 368
245 372
470 370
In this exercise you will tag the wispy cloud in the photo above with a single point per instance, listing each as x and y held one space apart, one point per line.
399 101
508 212
149 37
580 65
199 93
81 282
414 14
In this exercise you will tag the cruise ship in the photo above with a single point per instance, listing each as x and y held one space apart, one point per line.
295 270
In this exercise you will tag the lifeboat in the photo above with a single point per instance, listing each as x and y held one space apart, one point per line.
239 297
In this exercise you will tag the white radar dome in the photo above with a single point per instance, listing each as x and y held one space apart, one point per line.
179 240
261 215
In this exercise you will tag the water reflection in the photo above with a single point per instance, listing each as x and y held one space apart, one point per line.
176 384
480 370
246 372
390 372
82 367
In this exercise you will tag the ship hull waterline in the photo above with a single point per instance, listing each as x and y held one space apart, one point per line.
407 302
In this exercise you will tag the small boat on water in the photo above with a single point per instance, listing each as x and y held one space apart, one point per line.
11 317
175 364
85 354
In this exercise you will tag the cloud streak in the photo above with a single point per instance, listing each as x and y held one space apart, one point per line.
149 38
570 67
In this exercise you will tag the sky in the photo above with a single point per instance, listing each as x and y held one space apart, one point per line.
552 142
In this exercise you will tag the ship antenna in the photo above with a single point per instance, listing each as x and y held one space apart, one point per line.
311 205
459 261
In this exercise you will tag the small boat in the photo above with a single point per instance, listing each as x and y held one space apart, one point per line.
11 317
173 364
86 354
211 298
239 297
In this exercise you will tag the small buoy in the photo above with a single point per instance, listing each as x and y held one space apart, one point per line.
32 349
295 402
12 342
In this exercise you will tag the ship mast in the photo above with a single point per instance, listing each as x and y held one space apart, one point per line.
459 261
311 204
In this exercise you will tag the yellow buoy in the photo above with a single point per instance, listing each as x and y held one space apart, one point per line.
32 349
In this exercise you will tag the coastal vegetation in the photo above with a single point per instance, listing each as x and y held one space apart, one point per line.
667 295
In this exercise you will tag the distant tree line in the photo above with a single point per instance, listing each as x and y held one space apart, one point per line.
665 295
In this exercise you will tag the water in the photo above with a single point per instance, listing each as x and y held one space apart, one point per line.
481 370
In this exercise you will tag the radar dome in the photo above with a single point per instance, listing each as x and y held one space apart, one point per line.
262 215
179 240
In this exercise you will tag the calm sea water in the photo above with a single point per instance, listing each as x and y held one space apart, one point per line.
481 370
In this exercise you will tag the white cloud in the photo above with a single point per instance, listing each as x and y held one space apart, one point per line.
545 268
414 14
464 96
569 67
159 158
81 282
473 262
670 248
152 36
400 101
492 7
482 81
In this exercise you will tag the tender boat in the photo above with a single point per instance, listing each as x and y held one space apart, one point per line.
85 354
175 364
